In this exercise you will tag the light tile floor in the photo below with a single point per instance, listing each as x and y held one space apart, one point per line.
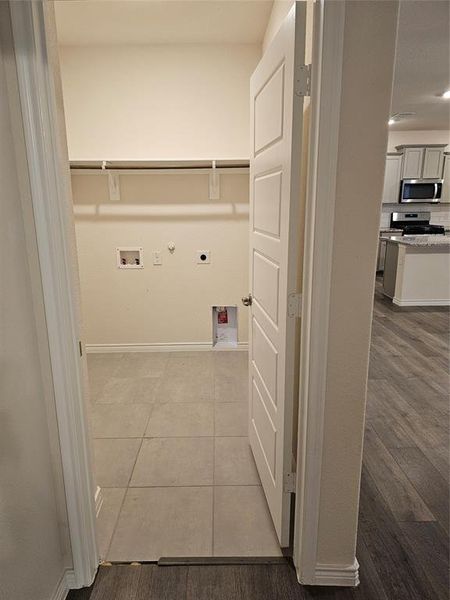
172 457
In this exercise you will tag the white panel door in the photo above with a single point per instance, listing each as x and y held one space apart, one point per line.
276 133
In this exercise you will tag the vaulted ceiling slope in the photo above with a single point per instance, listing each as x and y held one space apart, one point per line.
86 22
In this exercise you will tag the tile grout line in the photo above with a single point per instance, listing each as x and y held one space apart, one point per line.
115 526
128 486
168 437
117 518
192 485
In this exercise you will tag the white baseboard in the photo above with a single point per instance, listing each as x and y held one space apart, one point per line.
62 589
70 579
337 575
65 584
416 302
98 501
189 347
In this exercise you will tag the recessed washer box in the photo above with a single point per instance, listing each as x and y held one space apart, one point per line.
130 257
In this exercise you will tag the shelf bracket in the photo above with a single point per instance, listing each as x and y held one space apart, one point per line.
114 187
214 183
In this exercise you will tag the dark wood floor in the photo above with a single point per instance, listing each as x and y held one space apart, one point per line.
404 514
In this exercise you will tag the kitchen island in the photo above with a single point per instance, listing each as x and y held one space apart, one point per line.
417 270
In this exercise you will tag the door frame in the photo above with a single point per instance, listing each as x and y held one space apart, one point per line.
328 46
49 177
50 180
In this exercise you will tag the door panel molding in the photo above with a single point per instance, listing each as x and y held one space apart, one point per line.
271 91
267 293
260 413
265 211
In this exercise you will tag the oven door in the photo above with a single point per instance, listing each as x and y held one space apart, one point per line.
421 190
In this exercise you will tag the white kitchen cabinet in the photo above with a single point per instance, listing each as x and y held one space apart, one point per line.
392 176
446 175
381 255
433 163
382 248
422 162
412 163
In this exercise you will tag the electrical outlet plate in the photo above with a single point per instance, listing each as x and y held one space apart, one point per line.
203 257
157 259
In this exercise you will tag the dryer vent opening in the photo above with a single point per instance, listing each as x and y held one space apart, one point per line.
225 329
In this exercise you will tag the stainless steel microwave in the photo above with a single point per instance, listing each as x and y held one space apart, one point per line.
421 190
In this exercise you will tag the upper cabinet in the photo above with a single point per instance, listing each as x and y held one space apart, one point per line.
412 163
446 187
392 176
422 162
416 162
433 163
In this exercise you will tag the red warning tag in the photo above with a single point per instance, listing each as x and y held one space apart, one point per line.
222 316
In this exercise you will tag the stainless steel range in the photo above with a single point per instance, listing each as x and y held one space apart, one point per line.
415 223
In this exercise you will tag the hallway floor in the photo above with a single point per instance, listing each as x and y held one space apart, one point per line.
172 457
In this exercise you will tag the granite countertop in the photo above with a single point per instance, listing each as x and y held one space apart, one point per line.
420 240
389 230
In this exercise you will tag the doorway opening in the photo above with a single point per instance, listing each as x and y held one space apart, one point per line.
158 144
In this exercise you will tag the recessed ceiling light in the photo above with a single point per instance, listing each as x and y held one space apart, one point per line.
446 95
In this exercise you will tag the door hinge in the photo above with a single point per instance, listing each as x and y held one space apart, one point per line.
294 305
290 480
80 346
303 81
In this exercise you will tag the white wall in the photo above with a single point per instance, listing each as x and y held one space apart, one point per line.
169 303
33 547
397 138
157 102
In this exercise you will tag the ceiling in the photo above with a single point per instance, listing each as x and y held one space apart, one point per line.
422 65
87 22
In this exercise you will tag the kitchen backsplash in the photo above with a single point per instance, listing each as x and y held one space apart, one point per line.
440 213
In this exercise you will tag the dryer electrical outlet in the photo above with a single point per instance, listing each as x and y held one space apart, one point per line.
203 257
